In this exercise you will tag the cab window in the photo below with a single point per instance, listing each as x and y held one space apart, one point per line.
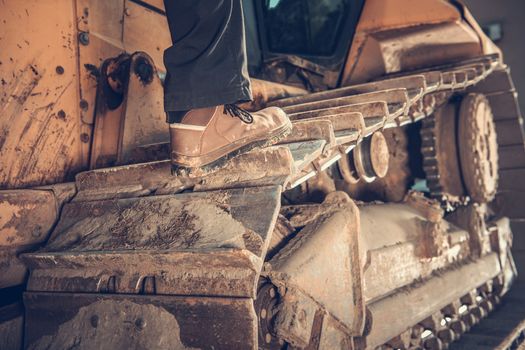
304 27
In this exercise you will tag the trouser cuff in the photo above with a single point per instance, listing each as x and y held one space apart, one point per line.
180 102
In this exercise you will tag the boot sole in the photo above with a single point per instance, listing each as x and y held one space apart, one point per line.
185 171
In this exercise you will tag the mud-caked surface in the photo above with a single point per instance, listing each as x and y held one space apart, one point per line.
122 322
119 324
26 216
163 223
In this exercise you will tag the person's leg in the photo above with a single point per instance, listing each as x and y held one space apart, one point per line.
206 75
206 66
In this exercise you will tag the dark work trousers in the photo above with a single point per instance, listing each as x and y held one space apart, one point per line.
206 66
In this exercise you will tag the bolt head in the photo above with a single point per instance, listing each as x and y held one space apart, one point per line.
268 338
140 323
84 105
83 38
263 313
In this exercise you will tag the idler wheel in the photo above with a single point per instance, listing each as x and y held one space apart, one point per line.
371 157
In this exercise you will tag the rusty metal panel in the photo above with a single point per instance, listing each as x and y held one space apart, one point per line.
144 120
100 30
90 321
26 219
159 4
101 18
214 242
107 29
386 42
100 26
140 24
90 59
106 137
40 141
26 216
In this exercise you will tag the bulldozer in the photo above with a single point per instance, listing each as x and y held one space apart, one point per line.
385 220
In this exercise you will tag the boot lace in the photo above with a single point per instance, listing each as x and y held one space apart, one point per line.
238 112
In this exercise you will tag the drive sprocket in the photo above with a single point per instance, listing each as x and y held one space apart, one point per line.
440 156
459 150
478 148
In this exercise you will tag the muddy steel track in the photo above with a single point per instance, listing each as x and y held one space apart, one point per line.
257 269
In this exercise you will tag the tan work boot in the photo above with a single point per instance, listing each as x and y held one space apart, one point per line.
207 137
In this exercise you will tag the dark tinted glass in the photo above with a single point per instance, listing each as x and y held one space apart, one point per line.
307 27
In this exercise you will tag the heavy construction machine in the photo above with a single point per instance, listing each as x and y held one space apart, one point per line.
384 220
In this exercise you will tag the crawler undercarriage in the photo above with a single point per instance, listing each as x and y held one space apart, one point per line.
138 251
383 221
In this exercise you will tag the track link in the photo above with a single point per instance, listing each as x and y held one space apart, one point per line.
452 322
